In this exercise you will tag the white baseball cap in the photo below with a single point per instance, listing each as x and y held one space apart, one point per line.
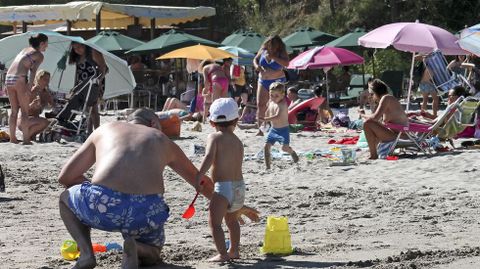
223 109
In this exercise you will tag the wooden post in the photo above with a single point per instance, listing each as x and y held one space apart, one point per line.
69 27
152 29
98 23
14 28
24 27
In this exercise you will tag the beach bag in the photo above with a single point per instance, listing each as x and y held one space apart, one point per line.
341 120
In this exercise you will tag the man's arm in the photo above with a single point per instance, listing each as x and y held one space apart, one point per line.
72 172
207 160
185 168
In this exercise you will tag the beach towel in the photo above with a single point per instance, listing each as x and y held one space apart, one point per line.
345 141
383 149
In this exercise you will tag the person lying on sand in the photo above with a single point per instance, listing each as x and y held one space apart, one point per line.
390 109
129 160
229 194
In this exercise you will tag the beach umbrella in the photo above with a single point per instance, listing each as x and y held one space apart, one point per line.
118 81
307 37
198 52
470 39
114 41
169 41
349 41
324 58
244 57
247 40
412 37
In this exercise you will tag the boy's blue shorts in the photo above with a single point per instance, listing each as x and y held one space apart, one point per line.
280 135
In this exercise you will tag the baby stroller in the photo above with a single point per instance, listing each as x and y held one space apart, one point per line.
70 121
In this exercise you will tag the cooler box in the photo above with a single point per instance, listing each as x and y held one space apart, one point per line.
171 126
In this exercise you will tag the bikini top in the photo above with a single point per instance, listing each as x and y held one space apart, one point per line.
271 65
215 69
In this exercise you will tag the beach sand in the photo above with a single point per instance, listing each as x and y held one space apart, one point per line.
418 212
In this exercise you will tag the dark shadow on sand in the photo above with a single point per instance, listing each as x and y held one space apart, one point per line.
279 262
167 266
7 199
183 138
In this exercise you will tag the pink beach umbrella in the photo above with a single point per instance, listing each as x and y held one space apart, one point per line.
324 58
412 37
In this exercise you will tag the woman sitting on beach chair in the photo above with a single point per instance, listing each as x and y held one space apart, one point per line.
392 112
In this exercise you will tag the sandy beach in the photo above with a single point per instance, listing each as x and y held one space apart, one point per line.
418 212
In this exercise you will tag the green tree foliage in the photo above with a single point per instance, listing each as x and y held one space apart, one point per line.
333 16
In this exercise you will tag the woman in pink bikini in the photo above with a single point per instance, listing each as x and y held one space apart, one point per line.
19 80
216 82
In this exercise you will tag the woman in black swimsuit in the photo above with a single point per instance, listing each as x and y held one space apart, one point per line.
89 63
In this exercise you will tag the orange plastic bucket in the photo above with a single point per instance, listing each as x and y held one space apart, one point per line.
171 126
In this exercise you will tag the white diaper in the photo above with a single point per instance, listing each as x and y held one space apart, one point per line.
233 191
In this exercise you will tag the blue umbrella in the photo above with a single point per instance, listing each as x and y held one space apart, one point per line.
245 57
470 39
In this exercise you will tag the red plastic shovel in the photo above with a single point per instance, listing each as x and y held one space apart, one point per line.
191 209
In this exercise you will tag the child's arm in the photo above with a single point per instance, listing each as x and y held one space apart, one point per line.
277 112
207 160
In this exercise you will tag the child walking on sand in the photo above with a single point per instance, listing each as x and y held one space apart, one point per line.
277 114
224 152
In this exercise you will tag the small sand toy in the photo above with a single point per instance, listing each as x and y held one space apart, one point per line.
69 250
277 237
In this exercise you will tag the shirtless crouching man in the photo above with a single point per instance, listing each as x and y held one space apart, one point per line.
390 109
128 177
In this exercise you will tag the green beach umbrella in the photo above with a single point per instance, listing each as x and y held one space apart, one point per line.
247 40
170 41
307 37
114 41
349 41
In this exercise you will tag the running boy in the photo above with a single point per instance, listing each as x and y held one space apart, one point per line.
224 152
277 114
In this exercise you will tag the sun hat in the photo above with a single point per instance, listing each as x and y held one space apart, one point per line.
223 109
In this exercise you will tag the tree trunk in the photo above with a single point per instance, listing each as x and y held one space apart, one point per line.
261 6
332 7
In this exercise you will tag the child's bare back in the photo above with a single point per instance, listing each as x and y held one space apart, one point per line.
228 156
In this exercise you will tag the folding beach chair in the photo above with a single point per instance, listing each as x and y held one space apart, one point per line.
442 77
418 133
465 115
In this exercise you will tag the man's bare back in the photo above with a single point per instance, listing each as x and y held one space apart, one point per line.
128 157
